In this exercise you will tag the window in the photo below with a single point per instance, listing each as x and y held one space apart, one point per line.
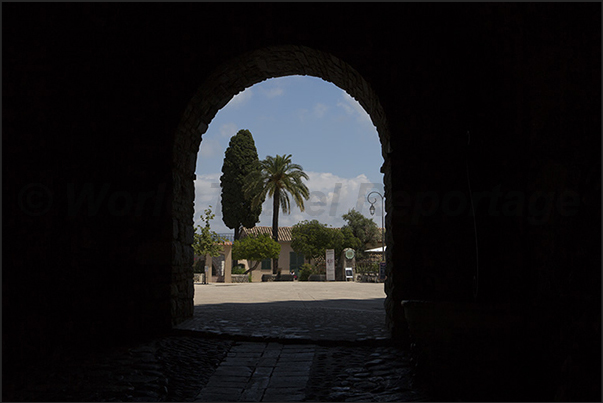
295 262
267 264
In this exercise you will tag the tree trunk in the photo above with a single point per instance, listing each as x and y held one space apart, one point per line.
237 234
275 207
255 266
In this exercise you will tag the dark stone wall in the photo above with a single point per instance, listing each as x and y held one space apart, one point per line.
535 105
93 95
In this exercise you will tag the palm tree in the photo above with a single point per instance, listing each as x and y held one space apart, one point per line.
278 178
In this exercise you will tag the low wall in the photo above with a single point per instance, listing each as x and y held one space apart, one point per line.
240 278
370 277
236 278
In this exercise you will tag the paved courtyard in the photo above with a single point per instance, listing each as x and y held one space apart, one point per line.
276 341
302 341
287 291
291 310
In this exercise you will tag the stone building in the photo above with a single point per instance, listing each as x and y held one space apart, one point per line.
105 106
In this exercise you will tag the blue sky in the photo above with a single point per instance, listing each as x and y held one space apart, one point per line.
327 132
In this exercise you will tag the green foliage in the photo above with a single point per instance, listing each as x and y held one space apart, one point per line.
342 239
305 271
321 267
206 241
369 267
238 269
363 229
240 159
255 249
311 238
349 240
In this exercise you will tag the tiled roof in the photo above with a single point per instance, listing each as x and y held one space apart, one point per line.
284 233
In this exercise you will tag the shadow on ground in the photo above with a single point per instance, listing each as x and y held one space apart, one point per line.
344 319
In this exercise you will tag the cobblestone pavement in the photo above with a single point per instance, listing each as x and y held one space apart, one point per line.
291 310
338 351
363 373
188 368
267 372
288 322
171 368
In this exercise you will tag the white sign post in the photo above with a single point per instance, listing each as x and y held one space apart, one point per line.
330 264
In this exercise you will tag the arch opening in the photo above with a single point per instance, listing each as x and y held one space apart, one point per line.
217 91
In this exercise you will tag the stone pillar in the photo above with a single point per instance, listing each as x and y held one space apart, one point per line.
208 268
227 262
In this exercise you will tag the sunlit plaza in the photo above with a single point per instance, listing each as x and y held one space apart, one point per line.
291 310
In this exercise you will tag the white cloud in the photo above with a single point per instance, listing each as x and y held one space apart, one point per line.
241 98
210 148
352 108
207 193
348 109
339 195
228 130
331 196
273 88
302 114
320 110
272 92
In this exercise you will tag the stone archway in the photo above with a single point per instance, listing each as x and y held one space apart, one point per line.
215 92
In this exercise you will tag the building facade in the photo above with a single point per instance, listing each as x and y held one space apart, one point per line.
288 261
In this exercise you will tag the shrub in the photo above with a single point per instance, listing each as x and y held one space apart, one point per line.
238 269
305 271
367 267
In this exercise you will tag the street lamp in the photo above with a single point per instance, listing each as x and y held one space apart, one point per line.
372 211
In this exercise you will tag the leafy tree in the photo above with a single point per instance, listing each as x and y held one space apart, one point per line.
349 240
278 178
240 159
344 238
313 238
255 249
362 228
205 241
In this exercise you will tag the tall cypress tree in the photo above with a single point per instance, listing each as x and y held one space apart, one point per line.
240 159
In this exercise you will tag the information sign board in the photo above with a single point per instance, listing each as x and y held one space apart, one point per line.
330 256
